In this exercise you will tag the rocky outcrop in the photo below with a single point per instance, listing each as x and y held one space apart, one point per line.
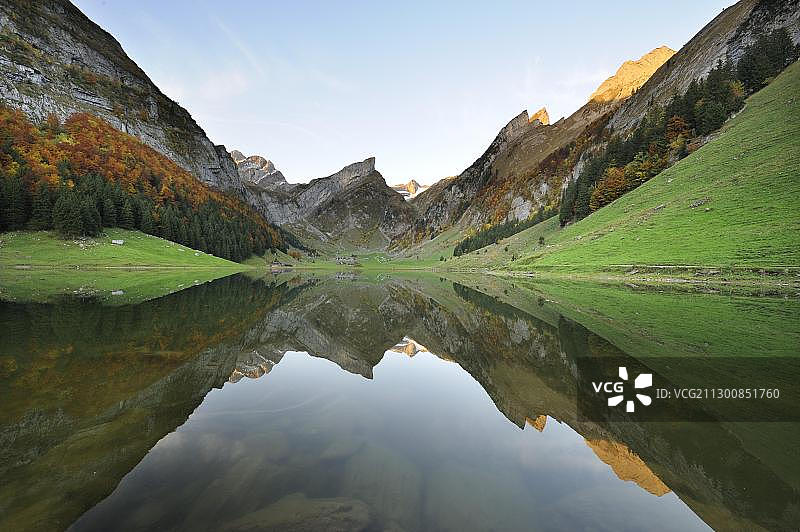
631 75
724 38
259 171
506 183
541 117
54 60
409 190
353 207
446 203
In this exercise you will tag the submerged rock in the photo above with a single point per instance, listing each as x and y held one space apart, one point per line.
296 512
388 481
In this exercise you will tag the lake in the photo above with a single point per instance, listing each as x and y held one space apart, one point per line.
388 402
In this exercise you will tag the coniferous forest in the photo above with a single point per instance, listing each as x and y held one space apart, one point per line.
492 234
83 176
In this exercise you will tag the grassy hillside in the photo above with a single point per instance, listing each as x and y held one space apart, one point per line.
42 249
38 266
733 202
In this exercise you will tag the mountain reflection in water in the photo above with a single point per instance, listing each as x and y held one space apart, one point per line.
356 404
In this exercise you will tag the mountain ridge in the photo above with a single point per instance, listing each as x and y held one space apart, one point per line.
351 207
489 190
57 61
530 173
631 75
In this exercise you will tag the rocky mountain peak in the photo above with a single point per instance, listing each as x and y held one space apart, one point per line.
353 171
409 190
264 164
515 127
631 75
258 170
541 116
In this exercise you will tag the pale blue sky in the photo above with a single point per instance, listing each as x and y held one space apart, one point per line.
423 88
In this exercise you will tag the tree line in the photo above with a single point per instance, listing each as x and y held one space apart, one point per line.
87 176
664 134
492 234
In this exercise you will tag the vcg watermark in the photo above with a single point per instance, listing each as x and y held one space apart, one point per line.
688 388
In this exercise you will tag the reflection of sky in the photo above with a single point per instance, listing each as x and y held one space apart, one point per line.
422 427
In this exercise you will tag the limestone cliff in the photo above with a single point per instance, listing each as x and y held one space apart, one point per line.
445 202
724 38
409 190
259 171
541 116
631 75
353 207
54 60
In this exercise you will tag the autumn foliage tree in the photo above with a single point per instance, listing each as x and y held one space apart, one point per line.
84 175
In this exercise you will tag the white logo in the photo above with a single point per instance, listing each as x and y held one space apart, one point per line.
644 380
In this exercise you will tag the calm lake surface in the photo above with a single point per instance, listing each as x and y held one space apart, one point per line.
349 402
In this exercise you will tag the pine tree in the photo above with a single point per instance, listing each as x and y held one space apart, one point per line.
147 224
712 116
42 215
4 221
67 218
126 220
582 198
567 203
169 224
16 203
108 212
90 217
780 51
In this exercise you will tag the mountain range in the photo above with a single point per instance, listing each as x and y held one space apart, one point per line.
57 62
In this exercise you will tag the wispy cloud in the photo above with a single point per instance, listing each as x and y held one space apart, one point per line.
255 62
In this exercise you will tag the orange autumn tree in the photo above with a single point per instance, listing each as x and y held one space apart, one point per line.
610 187
86 175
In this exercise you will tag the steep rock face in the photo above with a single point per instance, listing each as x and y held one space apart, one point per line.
631 75
365 206
259 171
353 206
447 201
724 38
409 190
54 60
506 183
542 117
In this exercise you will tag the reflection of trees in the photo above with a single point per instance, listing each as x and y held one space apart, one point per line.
87 390
129 375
